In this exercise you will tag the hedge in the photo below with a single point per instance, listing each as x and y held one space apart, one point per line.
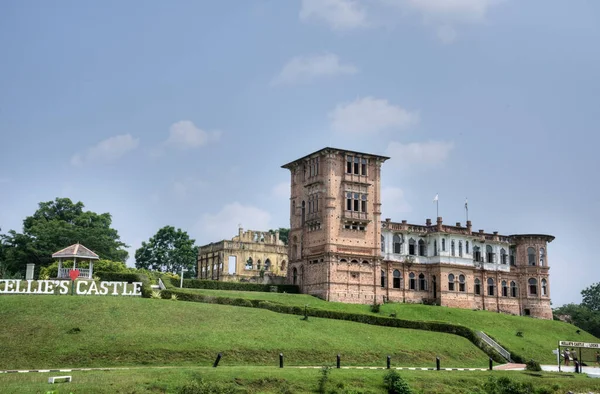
443 327
240 286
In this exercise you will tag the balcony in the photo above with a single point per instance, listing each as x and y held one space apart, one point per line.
356 216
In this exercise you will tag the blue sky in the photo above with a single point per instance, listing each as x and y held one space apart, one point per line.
181 113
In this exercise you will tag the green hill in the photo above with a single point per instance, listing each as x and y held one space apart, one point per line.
536 340
66 331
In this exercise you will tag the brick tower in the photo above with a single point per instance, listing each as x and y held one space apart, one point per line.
335 225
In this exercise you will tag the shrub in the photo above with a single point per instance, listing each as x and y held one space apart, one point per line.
505 385
375 307
323 379
395 384
533 365
128 277
156 295
240 286
200 386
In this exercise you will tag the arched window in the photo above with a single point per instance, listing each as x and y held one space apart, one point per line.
452 249
354 262
295 276
532 286
504 289
503 256
490 285
343 261
544 287
422 282
476 253
491 256
513 289
382 244
435 253
267 265
450 282
461 283
383 279
249 264
467 247
412 246
531 256
460 249
296 254
397 244
397 278
477 286
303 212
443 244
542 257
283 265
422 248
412 282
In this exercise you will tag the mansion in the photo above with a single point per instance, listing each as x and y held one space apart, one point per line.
341 250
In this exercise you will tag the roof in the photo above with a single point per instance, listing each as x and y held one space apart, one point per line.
288 165
76 250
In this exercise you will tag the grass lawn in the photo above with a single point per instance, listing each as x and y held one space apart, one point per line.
41 332
288 380
539 337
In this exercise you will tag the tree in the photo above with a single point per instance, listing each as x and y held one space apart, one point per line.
56 225
581 316
591 297
283 234
167 251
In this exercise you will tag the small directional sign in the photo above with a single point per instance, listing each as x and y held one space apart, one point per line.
580 344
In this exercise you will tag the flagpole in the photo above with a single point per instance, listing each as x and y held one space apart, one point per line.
466 209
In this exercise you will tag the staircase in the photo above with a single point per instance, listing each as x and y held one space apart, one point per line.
503 352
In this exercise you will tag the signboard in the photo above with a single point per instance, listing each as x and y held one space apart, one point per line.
579 344
81 287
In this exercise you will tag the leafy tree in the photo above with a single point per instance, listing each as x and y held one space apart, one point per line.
167 251
56 225
581 316
283 234
591 297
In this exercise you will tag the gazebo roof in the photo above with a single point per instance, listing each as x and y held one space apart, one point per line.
76 250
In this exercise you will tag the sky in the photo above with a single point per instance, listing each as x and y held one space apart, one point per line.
182 112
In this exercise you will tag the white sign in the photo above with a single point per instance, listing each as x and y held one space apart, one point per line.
580 344
17 286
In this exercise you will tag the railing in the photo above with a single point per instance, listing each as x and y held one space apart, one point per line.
355 215
503 352
161 284
64 273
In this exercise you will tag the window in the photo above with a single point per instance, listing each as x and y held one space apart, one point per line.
356 202
443 244
383 284
422 248
504 289
513 289
397 244
295 276
349 164
267 265
397 277
532 286
490 284
422 282
542 256
467 247
363 166
477 286
412 282
460 254
503 256
356 165
283 265
451 282
476 253
491 256
452 249
544 287
411 247
531 256
383 243
435 247
249 264
461 283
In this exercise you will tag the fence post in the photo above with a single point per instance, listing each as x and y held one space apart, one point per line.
577 367
389 361
491 364
437 363
280 360
217 360
338 361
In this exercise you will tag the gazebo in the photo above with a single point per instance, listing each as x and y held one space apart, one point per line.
75 252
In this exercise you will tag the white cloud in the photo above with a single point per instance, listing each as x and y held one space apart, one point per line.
224 224
370 115
393 202
338 14
419 155
108 150
185 135
282 190
305 68
447 34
